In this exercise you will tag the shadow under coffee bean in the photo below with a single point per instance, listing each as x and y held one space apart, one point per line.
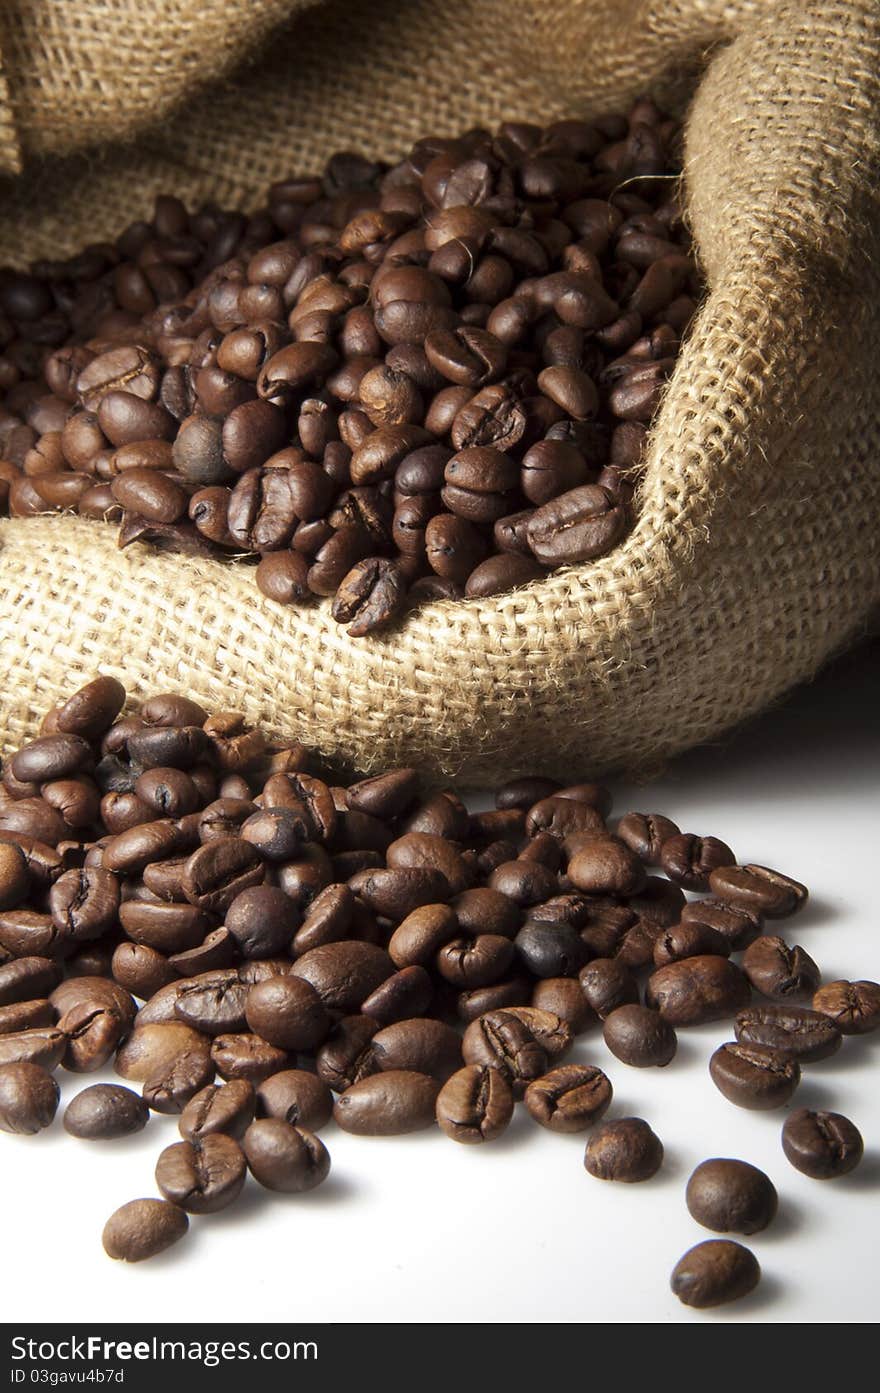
259 948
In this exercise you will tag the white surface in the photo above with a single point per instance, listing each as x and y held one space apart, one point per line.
419 1228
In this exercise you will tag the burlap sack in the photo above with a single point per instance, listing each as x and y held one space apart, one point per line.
755 554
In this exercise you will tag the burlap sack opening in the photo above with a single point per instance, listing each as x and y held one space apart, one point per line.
755 554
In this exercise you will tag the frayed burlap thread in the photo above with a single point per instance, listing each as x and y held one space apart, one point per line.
755 554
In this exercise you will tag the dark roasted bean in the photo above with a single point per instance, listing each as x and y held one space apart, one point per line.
822 1145
388 1104
758 889
779 972
639 1036
143 1228
626 1150
715 1272
753 1076
28 1097
854 1007
202 1176
731 1197
570 1098
105 1111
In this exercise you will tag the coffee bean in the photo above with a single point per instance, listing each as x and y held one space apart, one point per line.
226 1108
779 972
502 1041
738 926
51 757
688 940
639 1036
296 1097
172 1061
564 997
219 871
91 993
44 1045
287 1012
283 1157
420 1046
84 903
28 1097
626 1150
26 978
607 984
645 833
345 973
854 1007
606 866
105 1111
551 950
822 1145
689 860
388 1104
580 525
142 1229
758 889
715 1272
803 1034
731 1197
406 994
92 1034
570 1098
202 1176
14 877
697 990
23 1015
262 919
212 1002
347 1054
754 1077
246 1056
475 1105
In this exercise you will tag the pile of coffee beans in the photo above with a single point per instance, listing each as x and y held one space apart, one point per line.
261 949
429 380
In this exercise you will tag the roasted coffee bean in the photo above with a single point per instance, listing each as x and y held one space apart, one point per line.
105 1111
564 997
570 1098
51 757
370 596
347 1054
645 833
688 940
422 1046
580 525
227 1108
344 973
715 1272
474 962
503 1041
284 1157
23 979
793 1030
28 1097
172 1061
689 860
607 984
43 1045
475 1105
854 1007
551 950
758 889
212 1002
246 1056
24 1015
822 1145
91 993
395 894
639 1036
388 1104
262 919
512 991
92 1034
484 910
296 1097
202 1176
219 871
406 994
779 972
731 1197
697 990
14 877
754 1077
287 1012
626 1150
738 926
142 1229
606 866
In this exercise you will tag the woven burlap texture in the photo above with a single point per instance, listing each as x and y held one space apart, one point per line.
755 554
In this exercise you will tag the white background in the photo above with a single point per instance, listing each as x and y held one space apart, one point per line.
421 1229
